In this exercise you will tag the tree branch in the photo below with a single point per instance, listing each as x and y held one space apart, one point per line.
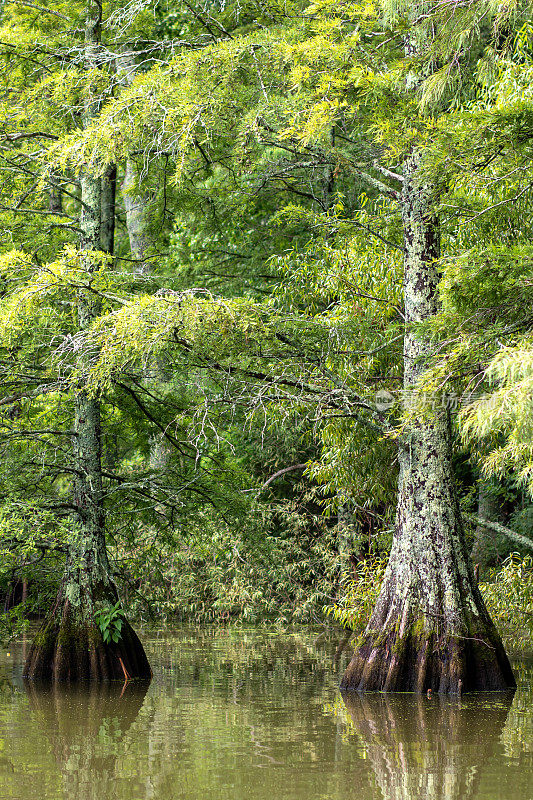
40 8
381 187
281 472
515 537
388 173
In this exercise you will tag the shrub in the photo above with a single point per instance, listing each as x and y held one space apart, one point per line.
508 594
360 590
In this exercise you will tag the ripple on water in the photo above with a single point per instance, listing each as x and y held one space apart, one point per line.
256 715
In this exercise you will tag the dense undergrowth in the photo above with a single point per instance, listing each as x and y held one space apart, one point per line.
508 594
212 576
507 591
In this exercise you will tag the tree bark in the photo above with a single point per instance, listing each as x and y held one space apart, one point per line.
70 645
430 628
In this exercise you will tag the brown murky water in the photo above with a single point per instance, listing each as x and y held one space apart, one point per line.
256 715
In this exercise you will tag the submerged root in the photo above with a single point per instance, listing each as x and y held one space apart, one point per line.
66 651
420 659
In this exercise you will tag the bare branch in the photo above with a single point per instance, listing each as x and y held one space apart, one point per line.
515 537
387 173
281 472
381 187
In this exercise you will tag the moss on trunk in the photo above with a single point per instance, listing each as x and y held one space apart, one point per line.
422 657
70 648
430 628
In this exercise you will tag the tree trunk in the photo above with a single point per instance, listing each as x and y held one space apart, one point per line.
70 645
136 200
485 549
107 227
430 628
137 205
55 197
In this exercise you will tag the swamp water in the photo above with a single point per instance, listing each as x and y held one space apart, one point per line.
256 715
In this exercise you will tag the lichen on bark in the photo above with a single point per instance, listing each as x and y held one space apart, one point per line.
430 629
70 646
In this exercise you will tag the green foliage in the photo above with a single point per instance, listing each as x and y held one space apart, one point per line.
110 620
281 566
32 546
508 594
267 143
13 623
360 589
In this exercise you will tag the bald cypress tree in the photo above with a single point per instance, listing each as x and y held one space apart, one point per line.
430 628
71 645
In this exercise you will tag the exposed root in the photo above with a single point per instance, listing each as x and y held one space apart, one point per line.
127 676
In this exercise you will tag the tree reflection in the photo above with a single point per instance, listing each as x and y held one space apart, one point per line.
85 726
431 748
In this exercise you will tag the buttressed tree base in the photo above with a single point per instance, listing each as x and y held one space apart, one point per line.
66 652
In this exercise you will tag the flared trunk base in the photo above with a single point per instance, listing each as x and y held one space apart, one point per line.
65 650
421 660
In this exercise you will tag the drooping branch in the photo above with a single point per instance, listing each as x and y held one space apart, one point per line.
508 533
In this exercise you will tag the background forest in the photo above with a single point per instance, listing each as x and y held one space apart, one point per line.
239 325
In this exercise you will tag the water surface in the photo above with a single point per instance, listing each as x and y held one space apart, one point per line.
256 715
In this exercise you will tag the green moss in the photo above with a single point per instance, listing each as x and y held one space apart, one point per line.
66 635
419 628
46 637
94 637
358 641
382 637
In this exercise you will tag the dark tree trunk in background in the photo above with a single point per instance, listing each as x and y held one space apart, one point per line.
138 205
136 199
485 549
108 198
430 628
55 198
70 645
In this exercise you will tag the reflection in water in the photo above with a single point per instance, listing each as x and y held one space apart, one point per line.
84 726
429 748
235 714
